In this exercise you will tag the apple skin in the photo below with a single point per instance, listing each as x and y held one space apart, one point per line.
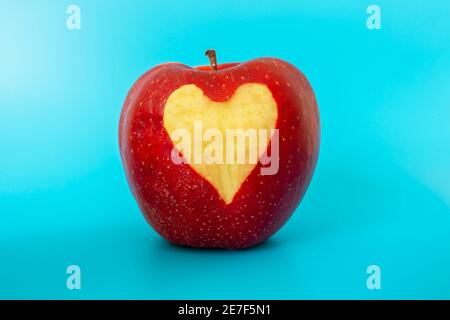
178 203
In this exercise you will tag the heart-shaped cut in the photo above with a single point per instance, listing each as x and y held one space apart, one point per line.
214 136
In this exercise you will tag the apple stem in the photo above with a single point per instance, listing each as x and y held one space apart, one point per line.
211 54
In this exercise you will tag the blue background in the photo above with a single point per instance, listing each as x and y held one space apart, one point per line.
380 194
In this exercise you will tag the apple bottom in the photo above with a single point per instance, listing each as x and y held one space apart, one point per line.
188 211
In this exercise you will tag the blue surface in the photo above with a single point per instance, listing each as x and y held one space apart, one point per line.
380 194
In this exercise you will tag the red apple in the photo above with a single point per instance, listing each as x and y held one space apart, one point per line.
219 205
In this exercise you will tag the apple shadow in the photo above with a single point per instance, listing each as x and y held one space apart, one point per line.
268 244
